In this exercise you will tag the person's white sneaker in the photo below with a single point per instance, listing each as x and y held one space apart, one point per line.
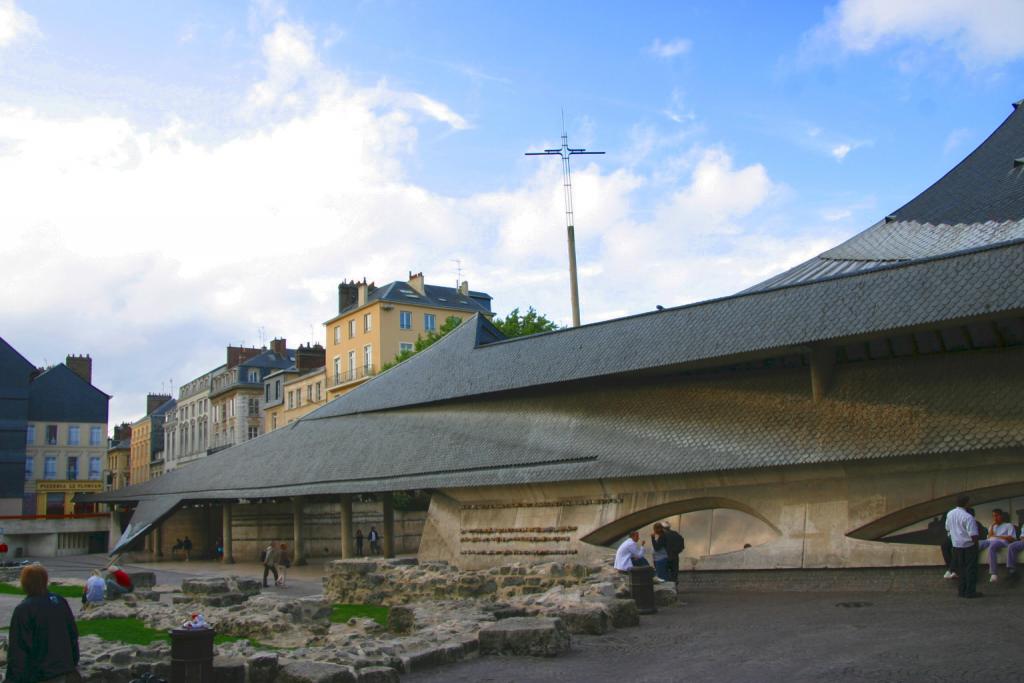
993 578
949 575
659 579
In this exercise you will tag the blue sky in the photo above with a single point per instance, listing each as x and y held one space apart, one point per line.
179 175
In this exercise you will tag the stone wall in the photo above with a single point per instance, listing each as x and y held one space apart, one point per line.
383 582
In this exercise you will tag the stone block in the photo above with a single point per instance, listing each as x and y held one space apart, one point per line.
122 656
525 636
223 599
205 585
143 580
315 672
401 619
622 612
429 658
378 674
247 586
228 670
591 620
665 594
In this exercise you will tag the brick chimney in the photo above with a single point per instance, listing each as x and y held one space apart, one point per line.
348 295
464 288
240 354
416 282
154 401
81 366
364 290
122 432
309 357
280 347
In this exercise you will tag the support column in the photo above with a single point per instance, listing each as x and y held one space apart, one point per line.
347 540
389 524
115 527
227 558
158 541
298 542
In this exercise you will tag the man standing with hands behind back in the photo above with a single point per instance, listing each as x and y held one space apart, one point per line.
963 532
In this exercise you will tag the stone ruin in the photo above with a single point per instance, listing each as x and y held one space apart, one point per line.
439 615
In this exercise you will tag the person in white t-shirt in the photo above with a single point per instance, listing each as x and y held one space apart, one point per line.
963 532
631 553
1000 535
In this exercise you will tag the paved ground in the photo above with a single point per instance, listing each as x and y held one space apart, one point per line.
783 637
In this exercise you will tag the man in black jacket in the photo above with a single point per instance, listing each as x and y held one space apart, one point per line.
674 545
43 639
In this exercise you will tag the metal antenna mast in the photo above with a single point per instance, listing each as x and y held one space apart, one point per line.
565 152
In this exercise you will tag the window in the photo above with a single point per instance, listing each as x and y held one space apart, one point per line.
429 322
55 503
267 392
298 397
351 328
254 406
50 467
51 435
309 393
273 421
367 357
404 346
277 390
337 334
94 469
29 466
254 432
351 364
30 435
405 320
95 434
291 400
254 376
318 392
367 322
72 467
337 369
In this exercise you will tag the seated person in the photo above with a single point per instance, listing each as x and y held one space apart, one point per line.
1000 535
630 554
118 582
1013 550
95 589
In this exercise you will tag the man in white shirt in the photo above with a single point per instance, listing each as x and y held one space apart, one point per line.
629 551
963 532
1001 534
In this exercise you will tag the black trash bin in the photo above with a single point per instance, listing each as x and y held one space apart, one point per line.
641 589
192 655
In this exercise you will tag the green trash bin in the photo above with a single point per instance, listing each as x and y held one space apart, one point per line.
192 655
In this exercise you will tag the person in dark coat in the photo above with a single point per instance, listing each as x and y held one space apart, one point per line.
674 545
374 539
359 542
42 640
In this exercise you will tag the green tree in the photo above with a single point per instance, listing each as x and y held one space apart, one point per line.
516 325
450 323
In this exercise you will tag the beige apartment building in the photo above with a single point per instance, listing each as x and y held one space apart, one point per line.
375 324
290 393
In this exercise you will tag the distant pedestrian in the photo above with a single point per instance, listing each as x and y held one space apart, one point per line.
674 546
42 642
95 589
186 545
270 555
284 561
179 546
631 553
963 532
374 537
359 542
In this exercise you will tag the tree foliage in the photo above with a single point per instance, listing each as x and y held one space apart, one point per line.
516 325
450 323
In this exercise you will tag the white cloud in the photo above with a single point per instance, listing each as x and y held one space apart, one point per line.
840 151
669 49
14 23
156 249
980 33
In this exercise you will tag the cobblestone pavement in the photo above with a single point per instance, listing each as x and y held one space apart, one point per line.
783 637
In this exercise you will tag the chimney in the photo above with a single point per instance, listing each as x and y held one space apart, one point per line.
309 357
464 288
122 432
81 366
240 354
363 292
348 295
416 282
280 347
154 401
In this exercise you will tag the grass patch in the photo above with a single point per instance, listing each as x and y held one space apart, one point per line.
342 613
58 588
134 632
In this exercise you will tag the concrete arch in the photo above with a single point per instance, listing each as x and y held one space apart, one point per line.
620 527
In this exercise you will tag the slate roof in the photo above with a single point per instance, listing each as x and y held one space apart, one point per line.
435 296
60 395
979 202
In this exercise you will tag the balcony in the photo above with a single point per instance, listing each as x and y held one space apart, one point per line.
348 377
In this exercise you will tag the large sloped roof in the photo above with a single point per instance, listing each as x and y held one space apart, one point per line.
979 202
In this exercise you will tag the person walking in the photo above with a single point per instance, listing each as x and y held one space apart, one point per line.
42 641
359 542
374 537
270 555
186 545
284 561
963 532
